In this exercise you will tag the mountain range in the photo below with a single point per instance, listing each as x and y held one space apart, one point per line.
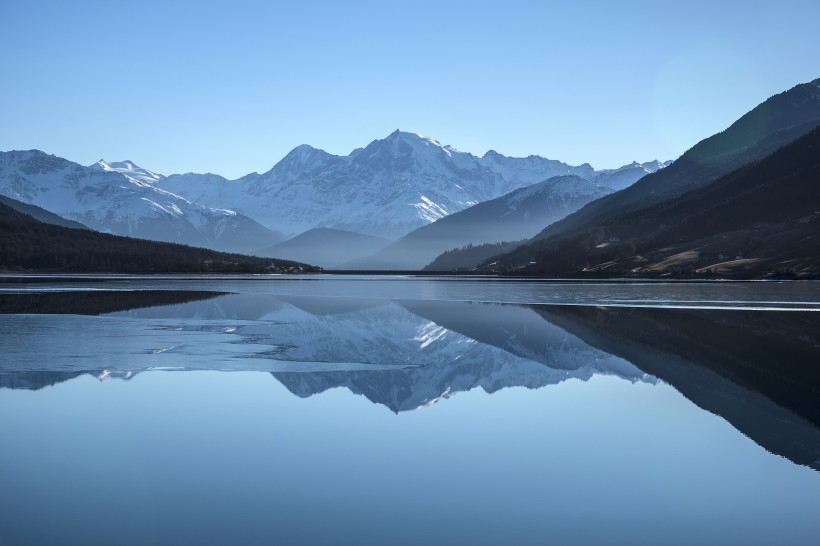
105 199
385 190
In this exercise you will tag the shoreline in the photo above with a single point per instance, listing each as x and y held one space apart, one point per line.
49 277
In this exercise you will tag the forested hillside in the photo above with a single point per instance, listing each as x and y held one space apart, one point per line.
27 244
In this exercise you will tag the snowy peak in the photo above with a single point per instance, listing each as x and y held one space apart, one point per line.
404 146
652 166
304 156
531 169
568 184
130 170
647 167
413 139
623 177
300 161
32 162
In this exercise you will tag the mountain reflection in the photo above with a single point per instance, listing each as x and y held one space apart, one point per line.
758 370
442 348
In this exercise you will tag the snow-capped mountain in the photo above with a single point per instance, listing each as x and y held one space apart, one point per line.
523 171
387 189
623 177
517 215
128 169
124 203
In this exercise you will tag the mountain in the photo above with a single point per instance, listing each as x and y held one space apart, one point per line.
326 247
471 256
28 244
39 213
386 189
130 170
761 220
623 177
105 199
769 126
519 214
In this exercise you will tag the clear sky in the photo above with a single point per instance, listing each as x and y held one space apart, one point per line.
231 87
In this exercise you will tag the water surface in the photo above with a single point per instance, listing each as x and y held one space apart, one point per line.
398 410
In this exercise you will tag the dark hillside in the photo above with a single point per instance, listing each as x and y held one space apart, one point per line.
776 122
761 220
27 244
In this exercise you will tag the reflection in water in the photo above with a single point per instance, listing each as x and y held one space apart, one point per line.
758 370
94 302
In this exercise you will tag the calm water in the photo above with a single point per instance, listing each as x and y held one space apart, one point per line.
180 410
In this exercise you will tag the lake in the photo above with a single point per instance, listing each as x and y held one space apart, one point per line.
400 410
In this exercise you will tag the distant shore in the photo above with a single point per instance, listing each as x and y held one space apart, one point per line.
50 277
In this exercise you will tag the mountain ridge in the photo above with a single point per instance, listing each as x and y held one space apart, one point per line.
107 200
778 120
325 247
387 188
761 220
28 244
514 216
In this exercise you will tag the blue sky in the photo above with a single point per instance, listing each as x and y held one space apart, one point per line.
231 87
